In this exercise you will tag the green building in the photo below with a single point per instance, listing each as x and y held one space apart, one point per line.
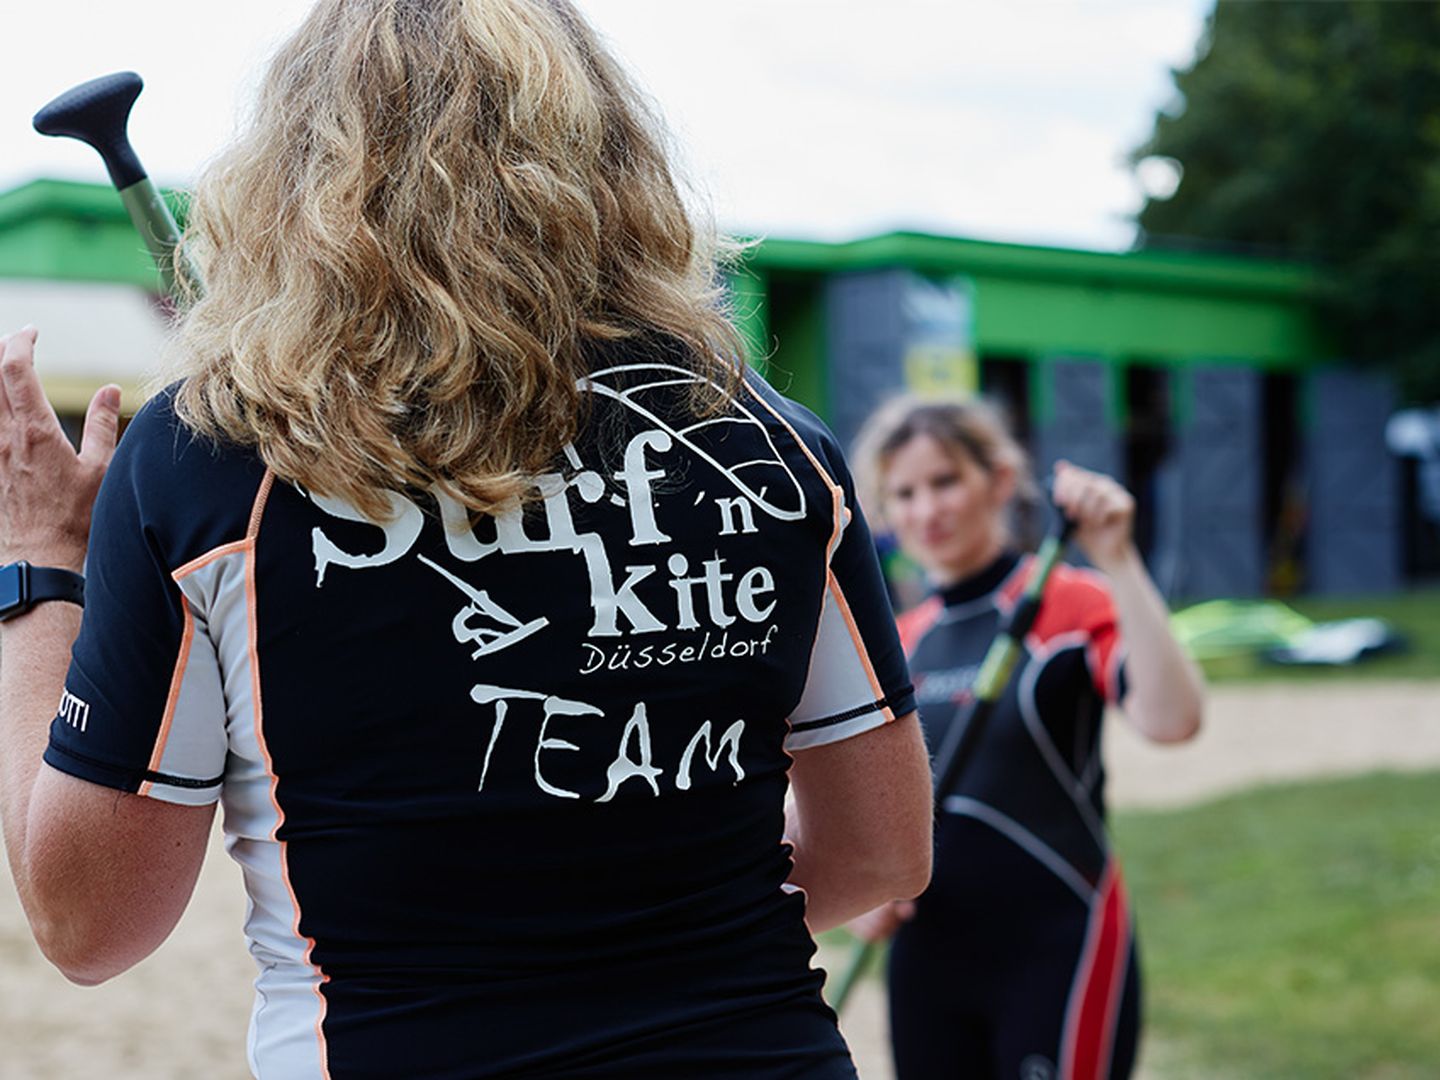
1206 383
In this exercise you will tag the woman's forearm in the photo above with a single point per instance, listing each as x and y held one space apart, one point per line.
34 656
838 889
859 822
103 876
1165 695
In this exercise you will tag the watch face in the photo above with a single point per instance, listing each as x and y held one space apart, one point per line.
10 597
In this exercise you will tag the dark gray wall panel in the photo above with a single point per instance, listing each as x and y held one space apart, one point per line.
865 345
1354 543
1077 425
1214 534
873 321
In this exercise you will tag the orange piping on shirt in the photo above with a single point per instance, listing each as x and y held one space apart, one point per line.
182 661
860 649
253 628
258 510
262 496
837 494
837 510
837 507
202 561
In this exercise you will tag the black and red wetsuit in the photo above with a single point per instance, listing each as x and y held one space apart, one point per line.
1020 961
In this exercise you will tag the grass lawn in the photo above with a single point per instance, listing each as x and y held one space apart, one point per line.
1293 932
1415 614
1287 933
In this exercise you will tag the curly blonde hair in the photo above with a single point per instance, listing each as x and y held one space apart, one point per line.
437 211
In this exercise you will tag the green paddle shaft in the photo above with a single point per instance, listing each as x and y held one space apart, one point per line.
999 664
964 734
860 955
156 225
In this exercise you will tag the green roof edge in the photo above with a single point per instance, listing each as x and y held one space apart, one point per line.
941 255
62 198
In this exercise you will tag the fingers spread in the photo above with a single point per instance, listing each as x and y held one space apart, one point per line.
102 422
17 373
4 398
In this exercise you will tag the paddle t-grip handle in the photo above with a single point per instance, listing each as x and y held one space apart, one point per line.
98 113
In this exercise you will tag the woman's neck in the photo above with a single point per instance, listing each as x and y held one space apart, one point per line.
971 564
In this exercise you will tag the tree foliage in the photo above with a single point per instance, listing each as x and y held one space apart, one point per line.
1313 130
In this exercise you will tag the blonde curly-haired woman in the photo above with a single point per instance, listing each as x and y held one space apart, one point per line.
494 602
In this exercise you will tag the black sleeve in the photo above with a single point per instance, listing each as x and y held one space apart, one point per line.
858 679
142 710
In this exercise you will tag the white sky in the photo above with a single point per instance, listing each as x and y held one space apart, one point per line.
1001 119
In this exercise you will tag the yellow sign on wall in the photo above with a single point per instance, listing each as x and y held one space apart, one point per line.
938 359
933 369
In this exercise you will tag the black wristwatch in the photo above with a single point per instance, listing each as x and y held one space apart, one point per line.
22 586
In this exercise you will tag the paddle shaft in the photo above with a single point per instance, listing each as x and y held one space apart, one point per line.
963 736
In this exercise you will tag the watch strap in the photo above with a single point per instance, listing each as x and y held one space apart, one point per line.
53 583
22 586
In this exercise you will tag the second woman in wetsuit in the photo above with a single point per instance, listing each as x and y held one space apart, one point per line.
1018 961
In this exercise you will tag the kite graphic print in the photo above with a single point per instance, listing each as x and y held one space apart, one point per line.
671 526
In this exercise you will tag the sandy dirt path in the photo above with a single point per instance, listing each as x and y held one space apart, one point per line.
182 1014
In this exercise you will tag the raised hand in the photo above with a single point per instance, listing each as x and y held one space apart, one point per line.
47 490
1103 513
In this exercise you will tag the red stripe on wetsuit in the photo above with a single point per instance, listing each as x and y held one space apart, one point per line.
1099 984
917 622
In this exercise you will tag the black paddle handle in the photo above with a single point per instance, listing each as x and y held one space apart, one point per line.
98 112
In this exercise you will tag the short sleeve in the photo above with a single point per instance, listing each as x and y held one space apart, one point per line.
1078 605
858 679
143 709
1104 652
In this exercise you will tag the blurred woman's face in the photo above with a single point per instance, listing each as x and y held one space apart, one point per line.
946 511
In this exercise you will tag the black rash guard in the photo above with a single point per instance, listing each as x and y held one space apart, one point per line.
1020 961
508 793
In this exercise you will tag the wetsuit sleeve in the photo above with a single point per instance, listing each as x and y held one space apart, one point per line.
143 710
858 679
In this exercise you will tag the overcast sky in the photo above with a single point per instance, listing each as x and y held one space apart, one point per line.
1000 119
